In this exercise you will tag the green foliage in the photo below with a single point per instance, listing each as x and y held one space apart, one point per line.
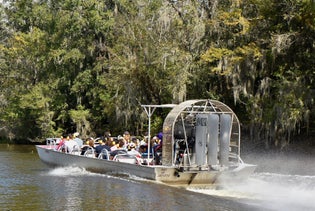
87 65
80 116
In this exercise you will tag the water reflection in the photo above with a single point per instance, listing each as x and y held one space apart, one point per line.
82 190
28 184
17 184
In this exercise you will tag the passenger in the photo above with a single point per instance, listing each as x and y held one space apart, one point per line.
144 141
160 136
69 137
119 150
126 138
157 149
87 145
77 139
91 142
121 143
109 141
160 142
143 150
154 141
136 141
100 147
114 144
70 145
107 135
133 151
60 146
144 147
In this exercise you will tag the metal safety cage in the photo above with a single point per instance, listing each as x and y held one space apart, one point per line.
201 133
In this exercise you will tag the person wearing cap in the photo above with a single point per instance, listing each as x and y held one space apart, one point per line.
160 136
132 150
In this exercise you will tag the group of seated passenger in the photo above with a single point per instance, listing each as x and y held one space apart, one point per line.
70 143
125 144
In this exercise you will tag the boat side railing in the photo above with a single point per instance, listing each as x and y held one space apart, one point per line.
104 154
89 152
76 150
126 158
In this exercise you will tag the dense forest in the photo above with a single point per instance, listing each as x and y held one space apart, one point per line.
88 65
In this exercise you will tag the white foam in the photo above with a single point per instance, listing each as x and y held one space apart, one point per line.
272 191
71 171
77 171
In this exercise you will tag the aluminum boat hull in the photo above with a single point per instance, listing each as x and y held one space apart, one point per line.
169 175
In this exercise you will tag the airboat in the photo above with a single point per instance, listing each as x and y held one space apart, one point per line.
201 146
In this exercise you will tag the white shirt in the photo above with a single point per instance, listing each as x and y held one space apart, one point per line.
70 145
134 153
79 141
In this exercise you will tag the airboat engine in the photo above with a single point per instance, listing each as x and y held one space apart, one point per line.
201 134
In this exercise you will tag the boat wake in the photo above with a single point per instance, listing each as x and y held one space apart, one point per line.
82 172
271 191
71 171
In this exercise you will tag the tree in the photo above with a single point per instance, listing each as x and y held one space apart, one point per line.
261 53
53 44
87 66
